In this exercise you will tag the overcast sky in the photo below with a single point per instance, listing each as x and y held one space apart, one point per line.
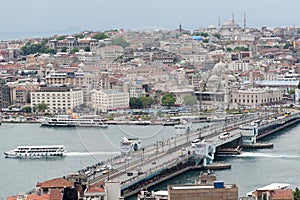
98 15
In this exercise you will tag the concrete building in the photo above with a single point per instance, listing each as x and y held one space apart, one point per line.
218 191
110 52
59 99
105 100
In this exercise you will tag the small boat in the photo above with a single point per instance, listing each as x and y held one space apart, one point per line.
36 151
130 144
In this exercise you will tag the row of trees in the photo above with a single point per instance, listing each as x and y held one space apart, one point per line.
168 99
36 48
41 107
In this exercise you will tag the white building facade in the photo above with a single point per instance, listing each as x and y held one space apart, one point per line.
58 99
106 100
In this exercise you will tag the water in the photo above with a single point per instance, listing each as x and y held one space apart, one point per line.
256 168
87 146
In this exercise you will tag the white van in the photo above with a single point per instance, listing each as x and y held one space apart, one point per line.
224 135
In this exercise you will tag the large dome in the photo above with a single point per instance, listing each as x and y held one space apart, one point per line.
219 68
214 78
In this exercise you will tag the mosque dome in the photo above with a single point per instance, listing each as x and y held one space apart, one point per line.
211 26
214 78
231 77
219 68
50 66
81 65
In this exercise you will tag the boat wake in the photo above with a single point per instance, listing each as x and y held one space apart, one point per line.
264 155
92 153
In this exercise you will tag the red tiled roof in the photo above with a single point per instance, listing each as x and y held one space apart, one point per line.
55 194
98 187
55 183
31 197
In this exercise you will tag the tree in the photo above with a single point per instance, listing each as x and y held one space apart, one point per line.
189 100
135 103
120 42
87 49
168 99
27 109
297 194
146 101
41 107
73 51
100 36
64 49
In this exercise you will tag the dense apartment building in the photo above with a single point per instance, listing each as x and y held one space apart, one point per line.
17 93
62 99
106 100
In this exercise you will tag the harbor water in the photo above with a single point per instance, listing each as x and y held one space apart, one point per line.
88 146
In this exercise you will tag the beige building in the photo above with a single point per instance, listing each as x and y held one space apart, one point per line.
59 99
105 100
207 192
110 52
253 97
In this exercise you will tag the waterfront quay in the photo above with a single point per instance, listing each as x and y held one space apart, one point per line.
141 169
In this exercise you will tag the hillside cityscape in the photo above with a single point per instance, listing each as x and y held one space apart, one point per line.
152 76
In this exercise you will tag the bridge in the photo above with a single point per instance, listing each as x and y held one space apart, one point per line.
165 159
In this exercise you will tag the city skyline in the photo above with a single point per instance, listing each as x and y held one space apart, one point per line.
74 15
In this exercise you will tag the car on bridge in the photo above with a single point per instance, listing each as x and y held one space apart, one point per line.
224 135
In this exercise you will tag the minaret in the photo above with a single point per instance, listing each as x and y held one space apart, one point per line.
245 26
219 23
180 27
233 17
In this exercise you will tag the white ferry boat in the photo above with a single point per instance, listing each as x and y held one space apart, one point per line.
36 151
130 144
68 121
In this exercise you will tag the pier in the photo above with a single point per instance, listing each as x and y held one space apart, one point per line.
146 167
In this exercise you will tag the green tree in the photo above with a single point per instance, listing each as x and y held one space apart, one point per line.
79 36
228 49
168 99
135 103
61 37
146 101
100 36
41 107
217 35
64 49
297 194
120 42
73 51
189 100
27 109
87 49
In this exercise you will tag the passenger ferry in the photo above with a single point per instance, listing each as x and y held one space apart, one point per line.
68 121
130 144
36 151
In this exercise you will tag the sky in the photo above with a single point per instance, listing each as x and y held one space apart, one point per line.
36 16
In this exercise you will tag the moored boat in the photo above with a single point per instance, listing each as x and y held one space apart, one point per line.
36 151
68 121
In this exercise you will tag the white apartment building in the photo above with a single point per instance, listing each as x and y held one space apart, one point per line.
105 100
58 99
239 66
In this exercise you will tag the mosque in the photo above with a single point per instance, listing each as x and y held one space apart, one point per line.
220 89
229 29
